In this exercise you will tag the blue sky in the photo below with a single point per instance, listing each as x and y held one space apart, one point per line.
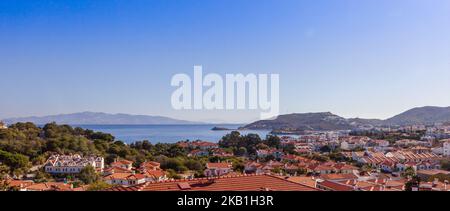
355 58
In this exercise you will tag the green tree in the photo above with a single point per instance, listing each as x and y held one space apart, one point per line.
414 182
241 151
445 164
88 175
14 161
409 172
273 141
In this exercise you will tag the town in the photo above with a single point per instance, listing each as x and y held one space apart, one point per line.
61 158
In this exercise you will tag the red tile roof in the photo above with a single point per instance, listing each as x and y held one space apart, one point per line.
117 169
19 183
338 176
334 186
154 173
235 183
121 162
130 188
50 186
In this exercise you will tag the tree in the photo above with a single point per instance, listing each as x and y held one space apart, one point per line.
173 174
325 148
238 167
445 164
14 161
88 175
414 182
409 172
273 141
42 176
241 151
4 171
194 165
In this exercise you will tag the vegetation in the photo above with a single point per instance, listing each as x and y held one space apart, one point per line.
440 177
98 186
248 144
445 165
25 144
88 175
392 137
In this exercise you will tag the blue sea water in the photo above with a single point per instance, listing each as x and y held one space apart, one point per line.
167 133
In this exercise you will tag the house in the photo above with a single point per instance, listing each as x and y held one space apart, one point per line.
290 158
436 185
203 145
125 179
150 165
19 185
307 181
262 153
155 175
438 150
426 174
446 148
344 168
125 164
72 164
221 153
387 166
291 169
253 168
217 169
49 186
420 149
116 169
277 154
380 145
338 177
328 185
353 142
321 169
198 153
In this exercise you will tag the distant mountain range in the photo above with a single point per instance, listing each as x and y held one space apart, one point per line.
294 122
96 118
328 121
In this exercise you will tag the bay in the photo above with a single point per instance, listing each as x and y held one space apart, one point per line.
169 133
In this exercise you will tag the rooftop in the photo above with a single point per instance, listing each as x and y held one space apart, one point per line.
231 183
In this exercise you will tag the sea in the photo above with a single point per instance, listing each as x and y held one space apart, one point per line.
169 133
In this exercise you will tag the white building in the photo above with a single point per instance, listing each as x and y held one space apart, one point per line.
72 164
217 169
125 179
437 150
446 148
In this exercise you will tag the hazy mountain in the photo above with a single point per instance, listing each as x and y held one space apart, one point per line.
422 115
95 118
329 121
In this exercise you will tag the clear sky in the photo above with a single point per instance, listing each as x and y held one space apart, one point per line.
355 58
